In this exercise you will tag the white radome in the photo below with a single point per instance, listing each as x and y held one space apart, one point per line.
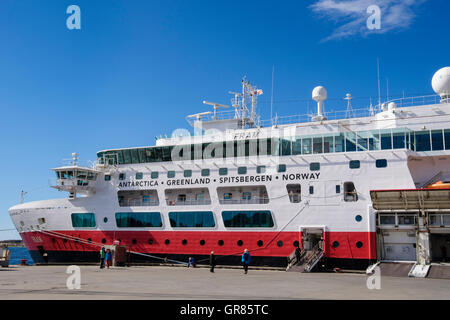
441 82
319 94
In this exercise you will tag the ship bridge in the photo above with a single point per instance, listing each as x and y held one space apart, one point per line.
75 179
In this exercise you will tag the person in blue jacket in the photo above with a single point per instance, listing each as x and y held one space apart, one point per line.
108 258
246 260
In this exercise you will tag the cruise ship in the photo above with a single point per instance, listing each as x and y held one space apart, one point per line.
348 188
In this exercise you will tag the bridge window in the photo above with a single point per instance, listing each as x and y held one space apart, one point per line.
398 138
447 139
422 141
138 220
247 219
201 219
83 220
386 139
437 140
318 145
381 163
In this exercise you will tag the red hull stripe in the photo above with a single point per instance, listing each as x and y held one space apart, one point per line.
347 245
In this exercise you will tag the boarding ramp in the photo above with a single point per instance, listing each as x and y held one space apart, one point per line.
307 261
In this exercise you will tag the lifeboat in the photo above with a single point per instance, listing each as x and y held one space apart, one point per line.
440 185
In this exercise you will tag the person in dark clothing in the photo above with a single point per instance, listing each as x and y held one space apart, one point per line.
298 254
102 257
245 260
212 261
191 262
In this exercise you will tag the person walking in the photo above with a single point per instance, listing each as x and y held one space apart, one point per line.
298 254
191 262
212 261
102 257
246 260
108 258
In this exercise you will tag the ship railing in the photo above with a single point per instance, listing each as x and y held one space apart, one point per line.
138 203
188 202
416 101
244 201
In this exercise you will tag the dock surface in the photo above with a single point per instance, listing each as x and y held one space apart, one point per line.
154 282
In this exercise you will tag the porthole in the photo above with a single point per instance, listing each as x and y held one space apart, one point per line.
167 242
335 244
296 243
65 240
105 219
150 241
358 218
53 240
134 241
220 242
184 242
240 243
202 242
280 243
89 240
359 244
260 243
104 240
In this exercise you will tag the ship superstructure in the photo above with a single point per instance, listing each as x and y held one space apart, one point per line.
243 183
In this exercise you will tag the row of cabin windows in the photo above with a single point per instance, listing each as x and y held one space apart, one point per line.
294 192
199 219
314 166
385 139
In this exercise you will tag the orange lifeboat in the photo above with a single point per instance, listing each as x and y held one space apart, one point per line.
439 185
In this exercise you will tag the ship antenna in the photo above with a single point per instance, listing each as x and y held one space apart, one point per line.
379 92
271 98
349 112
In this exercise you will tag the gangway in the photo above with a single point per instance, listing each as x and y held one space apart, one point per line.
307 261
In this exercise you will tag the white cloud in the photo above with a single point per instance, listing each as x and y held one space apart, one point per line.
395 15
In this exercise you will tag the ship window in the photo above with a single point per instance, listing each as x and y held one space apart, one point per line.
387 219
314 166
246 195
201 219
107 177
447 139
355 164
386 139
170 174
350 192
139 175
227 196
317 145
122 176
223 171
311 189
381 163
138 219
328 145
281 168
422 141
261 169
91 176
187 173
297 146
83 220
247 219
285 147
338 188
181 198
306 145
350 141
294 192
437 140
242 170
205 172
154 174
399 139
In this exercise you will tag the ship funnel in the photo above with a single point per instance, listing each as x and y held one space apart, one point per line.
319 95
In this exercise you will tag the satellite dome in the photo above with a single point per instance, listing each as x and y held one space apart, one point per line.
319 94
441 82
392 106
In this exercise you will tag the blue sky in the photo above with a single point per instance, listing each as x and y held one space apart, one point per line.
137 68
